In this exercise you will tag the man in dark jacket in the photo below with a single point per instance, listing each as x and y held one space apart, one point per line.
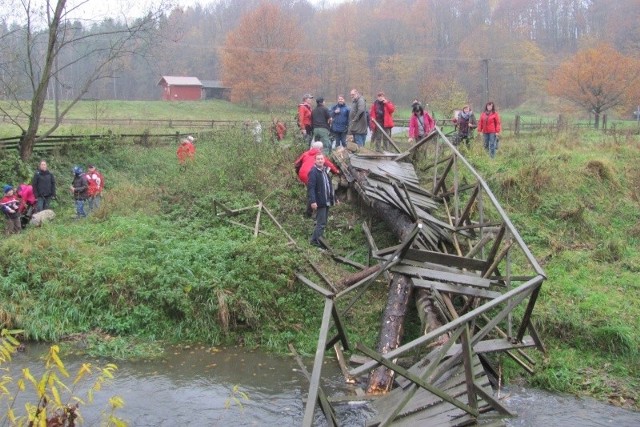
321 197
358 123
80 189
321 122
44 186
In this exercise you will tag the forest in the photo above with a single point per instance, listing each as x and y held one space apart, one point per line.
270 52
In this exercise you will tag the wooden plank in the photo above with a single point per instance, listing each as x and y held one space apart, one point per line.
322 397
314 383
417 380
456 289
512 298
327 293
446 259
464 279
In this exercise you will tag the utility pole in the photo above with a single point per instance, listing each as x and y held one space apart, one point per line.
486 79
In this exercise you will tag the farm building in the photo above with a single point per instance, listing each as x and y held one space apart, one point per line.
213 89
180 88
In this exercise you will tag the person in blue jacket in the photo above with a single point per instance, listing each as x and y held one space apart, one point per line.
340 123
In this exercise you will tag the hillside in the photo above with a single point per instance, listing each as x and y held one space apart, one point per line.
155 263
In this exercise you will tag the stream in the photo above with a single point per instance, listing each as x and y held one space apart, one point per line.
238 387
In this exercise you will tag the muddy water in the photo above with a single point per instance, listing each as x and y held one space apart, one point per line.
207 387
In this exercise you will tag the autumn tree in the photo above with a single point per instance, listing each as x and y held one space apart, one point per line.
49 42
263 61
596 79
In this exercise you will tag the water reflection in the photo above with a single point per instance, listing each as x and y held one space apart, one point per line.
195 387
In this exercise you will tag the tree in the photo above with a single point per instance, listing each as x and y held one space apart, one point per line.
50 44
596 79
262 60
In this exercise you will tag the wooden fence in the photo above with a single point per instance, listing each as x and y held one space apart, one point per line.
53 142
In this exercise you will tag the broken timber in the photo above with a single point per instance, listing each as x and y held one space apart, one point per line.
456 252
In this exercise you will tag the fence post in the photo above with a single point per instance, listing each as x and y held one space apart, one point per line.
604 121
516 126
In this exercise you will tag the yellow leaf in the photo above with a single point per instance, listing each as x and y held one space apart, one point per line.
116 402
56 395
85 369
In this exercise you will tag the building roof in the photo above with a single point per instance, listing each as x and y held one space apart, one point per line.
213 84
180 81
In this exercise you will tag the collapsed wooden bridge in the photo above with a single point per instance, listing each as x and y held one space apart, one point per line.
475 283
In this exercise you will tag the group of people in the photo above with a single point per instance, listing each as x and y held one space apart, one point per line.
338 122
489 126
26 201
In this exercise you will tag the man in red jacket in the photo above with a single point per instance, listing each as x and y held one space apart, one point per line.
304 118
382 111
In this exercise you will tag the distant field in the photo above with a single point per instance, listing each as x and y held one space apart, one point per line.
99 111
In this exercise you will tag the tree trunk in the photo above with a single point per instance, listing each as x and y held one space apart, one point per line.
400 288
391 331
354 278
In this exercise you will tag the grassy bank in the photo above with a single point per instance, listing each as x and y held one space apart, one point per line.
155 263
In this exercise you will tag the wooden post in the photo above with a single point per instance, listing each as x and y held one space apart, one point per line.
516 126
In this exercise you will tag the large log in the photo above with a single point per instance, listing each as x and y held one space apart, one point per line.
391 331
400 287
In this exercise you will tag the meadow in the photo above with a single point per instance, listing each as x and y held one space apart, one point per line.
154 264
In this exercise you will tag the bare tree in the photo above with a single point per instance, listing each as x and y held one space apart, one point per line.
50 42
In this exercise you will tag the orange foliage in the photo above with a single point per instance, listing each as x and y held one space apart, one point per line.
263 62
597 79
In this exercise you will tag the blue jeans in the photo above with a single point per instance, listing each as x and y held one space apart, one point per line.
43 203
94 202
490 144
322 213
341 138
359 138
80 209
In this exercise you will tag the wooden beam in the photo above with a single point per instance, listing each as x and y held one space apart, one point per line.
515 294
314 383
455 289
417 380
322 291
322 396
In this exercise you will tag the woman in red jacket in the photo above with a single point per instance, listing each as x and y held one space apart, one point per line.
489 126
420 123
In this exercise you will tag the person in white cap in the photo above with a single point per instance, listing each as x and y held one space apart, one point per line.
186 152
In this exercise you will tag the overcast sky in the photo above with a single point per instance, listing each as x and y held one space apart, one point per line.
100 9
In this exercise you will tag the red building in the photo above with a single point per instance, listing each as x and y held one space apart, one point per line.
180 88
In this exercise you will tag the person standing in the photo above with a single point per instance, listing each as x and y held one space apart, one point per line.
321 122
358 118
489 126
304 119
307 160
320 196
466 123
340 121
420 123
44 186
186 152
10 206
382 111
79 187
95 180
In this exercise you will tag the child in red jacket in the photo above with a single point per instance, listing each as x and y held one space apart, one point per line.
10 206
